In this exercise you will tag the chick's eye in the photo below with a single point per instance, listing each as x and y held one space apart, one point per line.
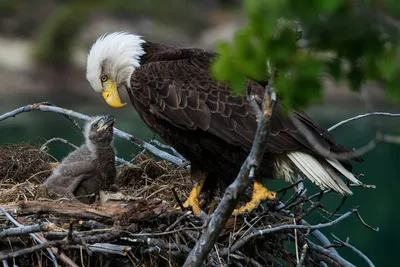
104 78
95 125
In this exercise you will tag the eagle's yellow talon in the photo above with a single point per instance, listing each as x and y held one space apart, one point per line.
260 193
193 199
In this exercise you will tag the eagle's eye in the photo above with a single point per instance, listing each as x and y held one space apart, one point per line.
103 78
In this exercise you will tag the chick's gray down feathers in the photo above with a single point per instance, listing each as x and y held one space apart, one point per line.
90 168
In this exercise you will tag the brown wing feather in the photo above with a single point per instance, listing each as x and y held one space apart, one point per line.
182 92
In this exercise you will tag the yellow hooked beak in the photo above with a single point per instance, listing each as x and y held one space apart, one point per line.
111 95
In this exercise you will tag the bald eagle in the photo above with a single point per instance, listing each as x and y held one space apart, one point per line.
174 93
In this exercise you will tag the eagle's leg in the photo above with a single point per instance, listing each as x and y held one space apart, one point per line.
193 199
260 193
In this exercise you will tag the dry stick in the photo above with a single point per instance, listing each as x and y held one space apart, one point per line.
236 189
62 140
36 238
359 253
90 239
160 244
57 139
329 254
316 233
303 255
377 113
119 133
269 229
26 230
103 248
173 150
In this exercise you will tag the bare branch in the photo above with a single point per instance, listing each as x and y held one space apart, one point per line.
237 188
358 252
173 150
303 255
88 239
329 254
26 230
103 248
62 140
37 239
57 139
362 116
390 139
269 229
117 132
375 229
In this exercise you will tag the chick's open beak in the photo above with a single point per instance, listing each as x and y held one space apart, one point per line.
105 122
111 95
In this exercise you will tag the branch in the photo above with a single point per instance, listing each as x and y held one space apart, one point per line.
138 142
69 209
359 253
81 240
41 227
362 116
329 254
37 239
237 188
62 140
269 229
103 248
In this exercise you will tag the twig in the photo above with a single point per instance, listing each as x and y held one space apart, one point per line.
316 233
131 235
338 207
153 242
89 239
57 139
117 132
329 254
362 116
303 255
390 139
358 252
177 221
269 229
27 230
173 150
103 248
62 140
236 189
37 239
375 229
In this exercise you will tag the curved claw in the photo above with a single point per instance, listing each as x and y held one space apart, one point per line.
193 200
260 193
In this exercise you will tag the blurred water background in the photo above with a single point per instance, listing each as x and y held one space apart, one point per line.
43 48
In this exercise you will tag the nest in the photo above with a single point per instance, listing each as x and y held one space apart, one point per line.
148 231
23 162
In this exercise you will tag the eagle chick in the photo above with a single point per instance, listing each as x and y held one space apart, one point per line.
90 168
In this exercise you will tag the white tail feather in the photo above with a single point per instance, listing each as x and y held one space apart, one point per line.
322 174
336 164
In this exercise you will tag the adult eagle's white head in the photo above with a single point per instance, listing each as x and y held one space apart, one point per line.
110 64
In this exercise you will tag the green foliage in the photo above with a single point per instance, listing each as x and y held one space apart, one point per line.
355 41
